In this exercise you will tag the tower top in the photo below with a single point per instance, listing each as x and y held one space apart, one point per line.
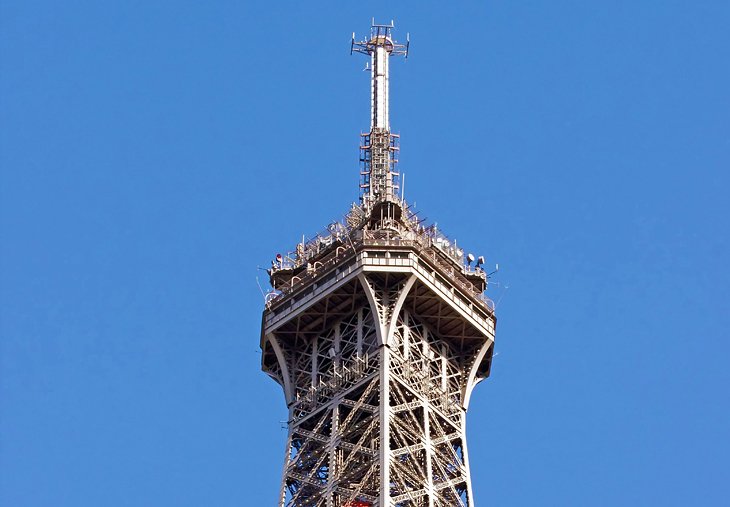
380 35
378 331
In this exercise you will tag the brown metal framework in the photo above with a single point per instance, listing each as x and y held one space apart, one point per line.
377 330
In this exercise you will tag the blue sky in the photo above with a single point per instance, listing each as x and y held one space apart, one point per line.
154 154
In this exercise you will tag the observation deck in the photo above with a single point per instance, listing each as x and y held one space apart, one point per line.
330 258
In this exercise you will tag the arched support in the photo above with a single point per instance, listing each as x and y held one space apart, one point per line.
286 378
402 295
485 354
370 293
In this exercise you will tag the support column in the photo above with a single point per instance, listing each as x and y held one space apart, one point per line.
384 453
359 333
429 453
315 362
287 458
465 453
333 471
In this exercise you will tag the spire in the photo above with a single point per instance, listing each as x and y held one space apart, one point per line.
379 148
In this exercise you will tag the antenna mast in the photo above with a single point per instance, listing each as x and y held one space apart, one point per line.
379 148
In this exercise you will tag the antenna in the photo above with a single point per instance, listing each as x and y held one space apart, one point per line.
379 148
260 288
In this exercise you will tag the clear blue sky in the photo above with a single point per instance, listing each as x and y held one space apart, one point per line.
153 154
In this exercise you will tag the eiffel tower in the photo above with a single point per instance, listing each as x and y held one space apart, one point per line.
377 329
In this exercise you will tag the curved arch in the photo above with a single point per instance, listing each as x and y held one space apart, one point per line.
402 295
379 331
472 381
286 379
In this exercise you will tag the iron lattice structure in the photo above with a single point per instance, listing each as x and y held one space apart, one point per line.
377 331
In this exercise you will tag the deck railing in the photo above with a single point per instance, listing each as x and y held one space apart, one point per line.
349 245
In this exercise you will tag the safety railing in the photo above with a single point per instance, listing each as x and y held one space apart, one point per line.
348 247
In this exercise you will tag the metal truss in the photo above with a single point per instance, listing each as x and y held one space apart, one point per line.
378 159
378 387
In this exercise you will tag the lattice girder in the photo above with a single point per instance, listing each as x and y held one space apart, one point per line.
379 373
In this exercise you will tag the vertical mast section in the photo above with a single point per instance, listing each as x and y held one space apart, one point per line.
379 148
